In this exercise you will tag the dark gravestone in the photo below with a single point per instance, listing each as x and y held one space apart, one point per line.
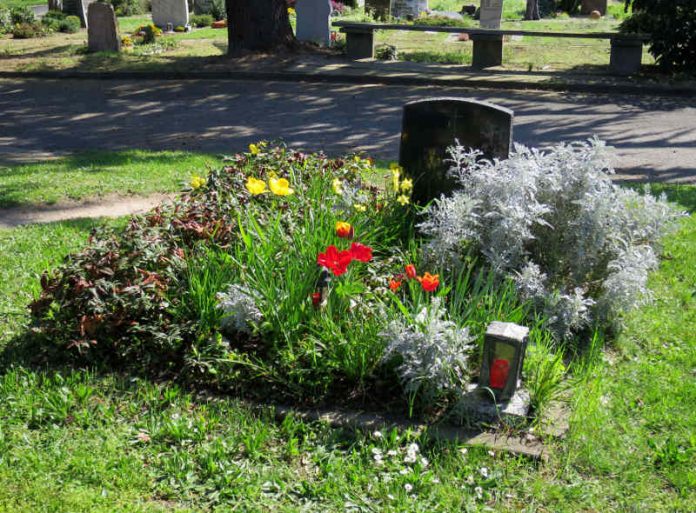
102 29
77 8
381 9
587 6
431 126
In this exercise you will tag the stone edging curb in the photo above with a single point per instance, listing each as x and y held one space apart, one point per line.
525 445
634 89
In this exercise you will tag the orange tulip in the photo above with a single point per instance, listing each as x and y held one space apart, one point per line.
429 282
344 230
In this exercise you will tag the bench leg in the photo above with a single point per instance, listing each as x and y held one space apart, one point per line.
626 56
360 45
488 51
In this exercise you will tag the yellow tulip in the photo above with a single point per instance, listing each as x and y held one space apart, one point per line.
197 182
255 186
280 187
337 185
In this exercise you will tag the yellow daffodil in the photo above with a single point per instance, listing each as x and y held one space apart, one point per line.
337 185
197 182
253 149
403 200
360 207
394 165
406 185
280 187
396 174
255 186
291 11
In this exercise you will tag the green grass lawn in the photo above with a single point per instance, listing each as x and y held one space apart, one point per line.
20 3
72 440
95 174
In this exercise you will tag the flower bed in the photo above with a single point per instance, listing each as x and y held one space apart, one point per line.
291 276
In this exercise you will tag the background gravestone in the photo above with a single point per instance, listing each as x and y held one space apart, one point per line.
102 29
587 6
380 8
77 8
491 13
405 8
431 126
170 11
313 21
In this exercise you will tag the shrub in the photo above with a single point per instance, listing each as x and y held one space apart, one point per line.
70 25
578 246
129 7
52 20
27 30
432 351
22 15
5 20
201 20
149 33
671 25
218 10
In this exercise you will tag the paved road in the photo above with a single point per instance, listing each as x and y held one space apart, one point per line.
654 137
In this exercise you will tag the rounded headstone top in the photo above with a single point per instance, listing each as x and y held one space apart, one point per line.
454 99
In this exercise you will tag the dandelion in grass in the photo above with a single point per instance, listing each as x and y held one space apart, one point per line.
255 186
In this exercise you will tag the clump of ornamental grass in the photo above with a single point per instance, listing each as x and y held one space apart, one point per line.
578 247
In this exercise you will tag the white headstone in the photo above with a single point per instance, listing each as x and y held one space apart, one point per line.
313 21
170 11
491 13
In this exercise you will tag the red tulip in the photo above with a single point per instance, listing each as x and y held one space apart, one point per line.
411 271
394 284
429 282
360 252
334 260
316 299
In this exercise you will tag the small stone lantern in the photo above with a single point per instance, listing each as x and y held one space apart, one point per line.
504 347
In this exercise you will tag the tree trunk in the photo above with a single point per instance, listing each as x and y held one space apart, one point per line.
257 25
532 12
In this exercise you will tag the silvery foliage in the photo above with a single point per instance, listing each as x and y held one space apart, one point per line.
240 308
434 352
577 245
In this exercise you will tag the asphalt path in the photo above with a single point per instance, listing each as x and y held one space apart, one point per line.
654 137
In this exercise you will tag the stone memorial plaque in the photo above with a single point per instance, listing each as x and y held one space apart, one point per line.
587 6
313 21
170 11
408 8
102 29
491 13
431 126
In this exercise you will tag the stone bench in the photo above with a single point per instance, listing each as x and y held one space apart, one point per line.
626 49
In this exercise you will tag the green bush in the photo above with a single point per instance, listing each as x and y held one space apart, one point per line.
129 7
27 30
218 10
22 15
201 20
5 20
671 25
70 25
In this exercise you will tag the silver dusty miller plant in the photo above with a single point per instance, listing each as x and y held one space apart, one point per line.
241 312
577 245
433 351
